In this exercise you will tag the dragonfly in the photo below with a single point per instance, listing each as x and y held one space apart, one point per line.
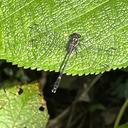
71 46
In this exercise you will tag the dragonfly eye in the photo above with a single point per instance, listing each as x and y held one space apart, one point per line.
75 39
76 35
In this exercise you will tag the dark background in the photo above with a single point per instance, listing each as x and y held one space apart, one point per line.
98 109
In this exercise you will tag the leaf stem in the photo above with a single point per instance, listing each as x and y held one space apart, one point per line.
121 112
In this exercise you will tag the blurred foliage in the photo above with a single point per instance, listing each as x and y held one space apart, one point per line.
19 102
120 88
21 110
106 96
124 126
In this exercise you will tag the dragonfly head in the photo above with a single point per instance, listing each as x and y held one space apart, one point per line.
75 36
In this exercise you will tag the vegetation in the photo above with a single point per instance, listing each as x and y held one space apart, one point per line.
34 35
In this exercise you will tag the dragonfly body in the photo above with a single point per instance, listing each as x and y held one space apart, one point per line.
71 46
73 41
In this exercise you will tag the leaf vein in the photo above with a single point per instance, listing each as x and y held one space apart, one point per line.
18 10
82 14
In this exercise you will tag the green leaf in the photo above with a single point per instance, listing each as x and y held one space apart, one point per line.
35 33
21 111
123 126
